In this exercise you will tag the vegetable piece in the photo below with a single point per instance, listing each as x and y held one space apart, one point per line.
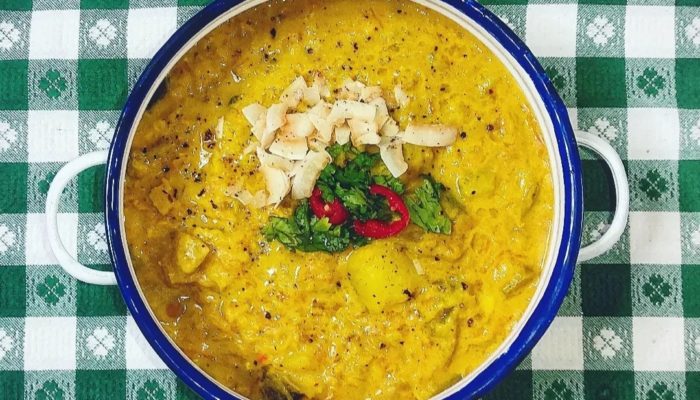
304 232
275 117
425 209
345 109
273 161
401 97
293 94
290 147
430 135
382 275
334 211
162 197
377 229
191 252
363 132
220 128
299 125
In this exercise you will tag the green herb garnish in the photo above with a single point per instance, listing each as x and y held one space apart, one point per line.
424 206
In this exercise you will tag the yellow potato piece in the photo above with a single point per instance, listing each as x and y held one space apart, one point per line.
381 275
162 197
190 252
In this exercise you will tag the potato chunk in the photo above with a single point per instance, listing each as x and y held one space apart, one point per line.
190 252
162 197
381 275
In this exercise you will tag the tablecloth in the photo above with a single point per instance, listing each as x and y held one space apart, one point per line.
629 71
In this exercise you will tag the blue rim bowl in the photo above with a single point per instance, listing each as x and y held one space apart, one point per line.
564 257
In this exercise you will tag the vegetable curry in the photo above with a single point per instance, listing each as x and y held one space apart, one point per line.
402 313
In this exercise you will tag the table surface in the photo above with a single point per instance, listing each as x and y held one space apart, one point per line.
628 71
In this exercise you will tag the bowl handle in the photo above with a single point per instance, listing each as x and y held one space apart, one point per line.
622 194
65 260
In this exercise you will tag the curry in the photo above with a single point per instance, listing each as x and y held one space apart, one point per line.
271 321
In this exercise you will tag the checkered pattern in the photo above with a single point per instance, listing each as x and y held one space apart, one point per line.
629 71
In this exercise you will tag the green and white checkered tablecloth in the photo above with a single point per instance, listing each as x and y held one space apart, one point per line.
628 70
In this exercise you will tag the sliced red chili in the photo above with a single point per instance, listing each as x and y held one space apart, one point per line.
376 229
334 211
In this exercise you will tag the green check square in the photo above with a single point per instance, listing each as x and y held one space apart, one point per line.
517 385
601 31
13 84
690 134
13 178
691 284
606 290
562 73
688 3
653 185
100 343
94 300
650 82
657 292
604 2
49 385
571 306
50 291
144 384
692 384
39 179
13 136
688 82
607 123
12 232
102 384
17 5
600 82
607 343
557 385
655 385
185 13
687 32
513 16
92 239
690 238
52 85
692 339
14 32
12 291
689 183
91 184
12 384
104 4
600 187
608 385
96 130
102 84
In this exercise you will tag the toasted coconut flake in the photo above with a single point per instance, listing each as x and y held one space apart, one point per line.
351 90
252 112
345 109
259 199
312 95
320 83
419 267
324 129
390 128
381 113
293 94
363 132
219 128
298 125
391 151
342 134
401 97
250 148
370 93
273 161
305 178
317 144
277 183
289 147
430 135
321 109
275 117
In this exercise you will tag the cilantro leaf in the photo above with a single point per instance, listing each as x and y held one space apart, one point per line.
425 209
390 182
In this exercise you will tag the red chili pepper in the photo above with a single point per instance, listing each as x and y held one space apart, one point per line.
334 211
376 229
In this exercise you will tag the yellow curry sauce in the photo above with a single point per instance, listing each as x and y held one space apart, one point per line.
256 315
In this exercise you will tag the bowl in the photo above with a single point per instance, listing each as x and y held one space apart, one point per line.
561 142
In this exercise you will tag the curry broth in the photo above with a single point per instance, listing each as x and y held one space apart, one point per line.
257 316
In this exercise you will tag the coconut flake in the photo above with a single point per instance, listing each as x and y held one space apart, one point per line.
293 94
289 147
381 112
345 109
252 112
430 135
391 151
308 172
390 128
351 90
298 125
324 129
275 117
401 97
277 183
369 93
320 83
273 161
342 134
312 95
219 130
316 144
363 132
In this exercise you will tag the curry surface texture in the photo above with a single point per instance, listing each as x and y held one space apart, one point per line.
262 319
